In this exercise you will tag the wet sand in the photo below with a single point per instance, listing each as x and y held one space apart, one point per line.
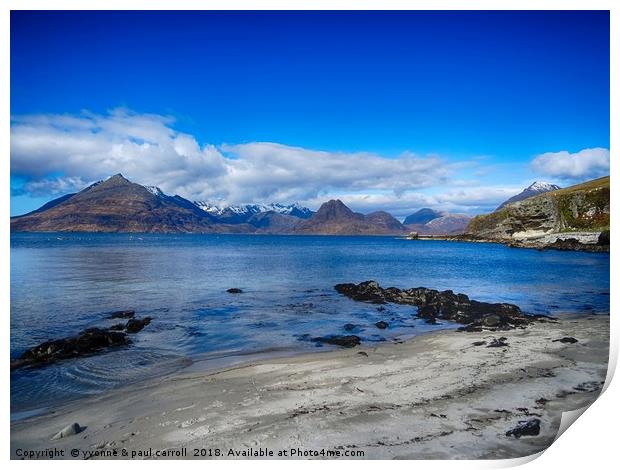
435 396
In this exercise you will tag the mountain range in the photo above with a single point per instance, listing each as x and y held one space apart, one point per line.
243 213
119 205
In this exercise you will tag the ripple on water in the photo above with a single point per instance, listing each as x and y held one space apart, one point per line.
61 284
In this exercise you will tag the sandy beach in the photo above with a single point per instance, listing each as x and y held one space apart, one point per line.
437 396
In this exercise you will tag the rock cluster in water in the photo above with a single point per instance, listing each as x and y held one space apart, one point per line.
87 342
444 305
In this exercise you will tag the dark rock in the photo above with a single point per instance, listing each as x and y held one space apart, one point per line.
234 290
444 305
122 314
603 238
362 353
118 327
498 343
381 325
137 324
479 343
351 327
530 427
347 341
568 244
368 291
90 341
567 339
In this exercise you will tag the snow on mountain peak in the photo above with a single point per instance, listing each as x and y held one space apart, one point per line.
251 209
155 191
542 187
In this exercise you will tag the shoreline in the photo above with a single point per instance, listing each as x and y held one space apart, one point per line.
434 396
564 241
526 243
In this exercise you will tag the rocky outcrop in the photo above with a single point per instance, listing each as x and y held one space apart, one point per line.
137 324
88 342
542 220
443 305
570 241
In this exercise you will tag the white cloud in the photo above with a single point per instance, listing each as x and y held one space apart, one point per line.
585 164
56 154
147 149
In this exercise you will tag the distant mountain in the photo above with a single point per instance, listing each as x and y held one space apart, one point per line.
335 218
431 222
533 189
116 205
384 222
423 216
243 213
450 224
274 222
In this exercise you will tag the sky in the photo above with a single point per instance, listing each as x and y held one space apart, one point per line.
385 110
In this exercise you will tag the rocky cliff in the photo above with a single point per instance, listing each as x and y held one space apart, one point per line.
582 209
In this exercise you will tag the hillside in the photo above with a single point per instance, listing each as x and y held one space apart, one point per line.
581 208
532 190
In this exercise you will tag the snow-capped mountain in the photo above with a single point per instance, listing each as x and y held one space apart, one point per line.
239 214
537 187
542 187
242 213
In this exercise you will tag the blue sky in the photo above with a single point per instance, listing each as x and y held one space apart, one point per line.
471 99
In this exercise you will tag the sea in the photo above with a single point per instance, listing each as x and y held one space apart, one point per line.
62 283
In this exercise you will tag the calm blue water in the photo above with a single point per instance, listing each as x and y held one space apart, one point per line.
63 283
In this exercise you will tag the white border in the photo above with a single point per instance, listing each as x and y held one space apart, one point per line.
591 443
